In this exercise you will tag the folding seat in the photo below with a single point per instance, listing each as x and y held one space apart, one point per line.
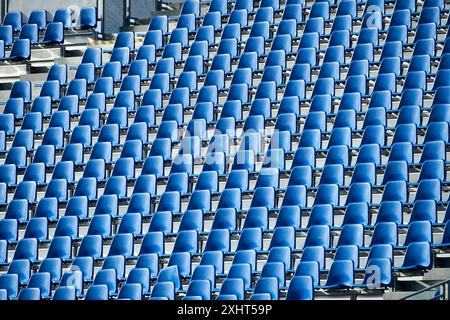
397 33
395 191
6 34
244 159
17 209
358 67
396 171
106 277
192 220
113 69
125 98
433 150
418 256
145 114
415 80
154 165
37 228
107 204
21 89
374 134
255 44
131 223
359 192
61 121
178 181
163 291
338 155
301 288
140 276
186 21
155 38
432 169
351 234
200 289
392 49
304 156
408 119
21 268
100 225
124 167
17 156
205 33
93 55
257 217
54 34
130 291
77 87
179 35
67 226
424 210
97 292
327 194
384 279
240 271
161 147
8 125
429 189
401 151
30 32
26 190
29 294
341 274
436 131
26 249
9 230
116 263
132 149
57 188
140 202
250 239
33 121
321 214
95 168
363 51
422 49
225 218
122 244
425 31
60 247
8 174
87 187
318 235
152 243
232 289
170 201
385 231
104 85
364 172
347 252
15 106
320 9
88 18
220 62
441 79
160 81
283 237
201 200
146 53
14 19
330 70
439 112
332 174
182 260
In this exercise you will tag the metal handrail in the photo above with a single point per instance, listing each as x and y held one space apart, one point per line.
444 293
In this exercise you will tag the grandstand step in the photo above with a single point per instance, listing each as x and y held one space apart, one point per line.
399 295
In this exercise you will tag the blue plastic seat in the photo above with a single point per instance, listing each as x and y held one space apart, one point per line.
301 288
